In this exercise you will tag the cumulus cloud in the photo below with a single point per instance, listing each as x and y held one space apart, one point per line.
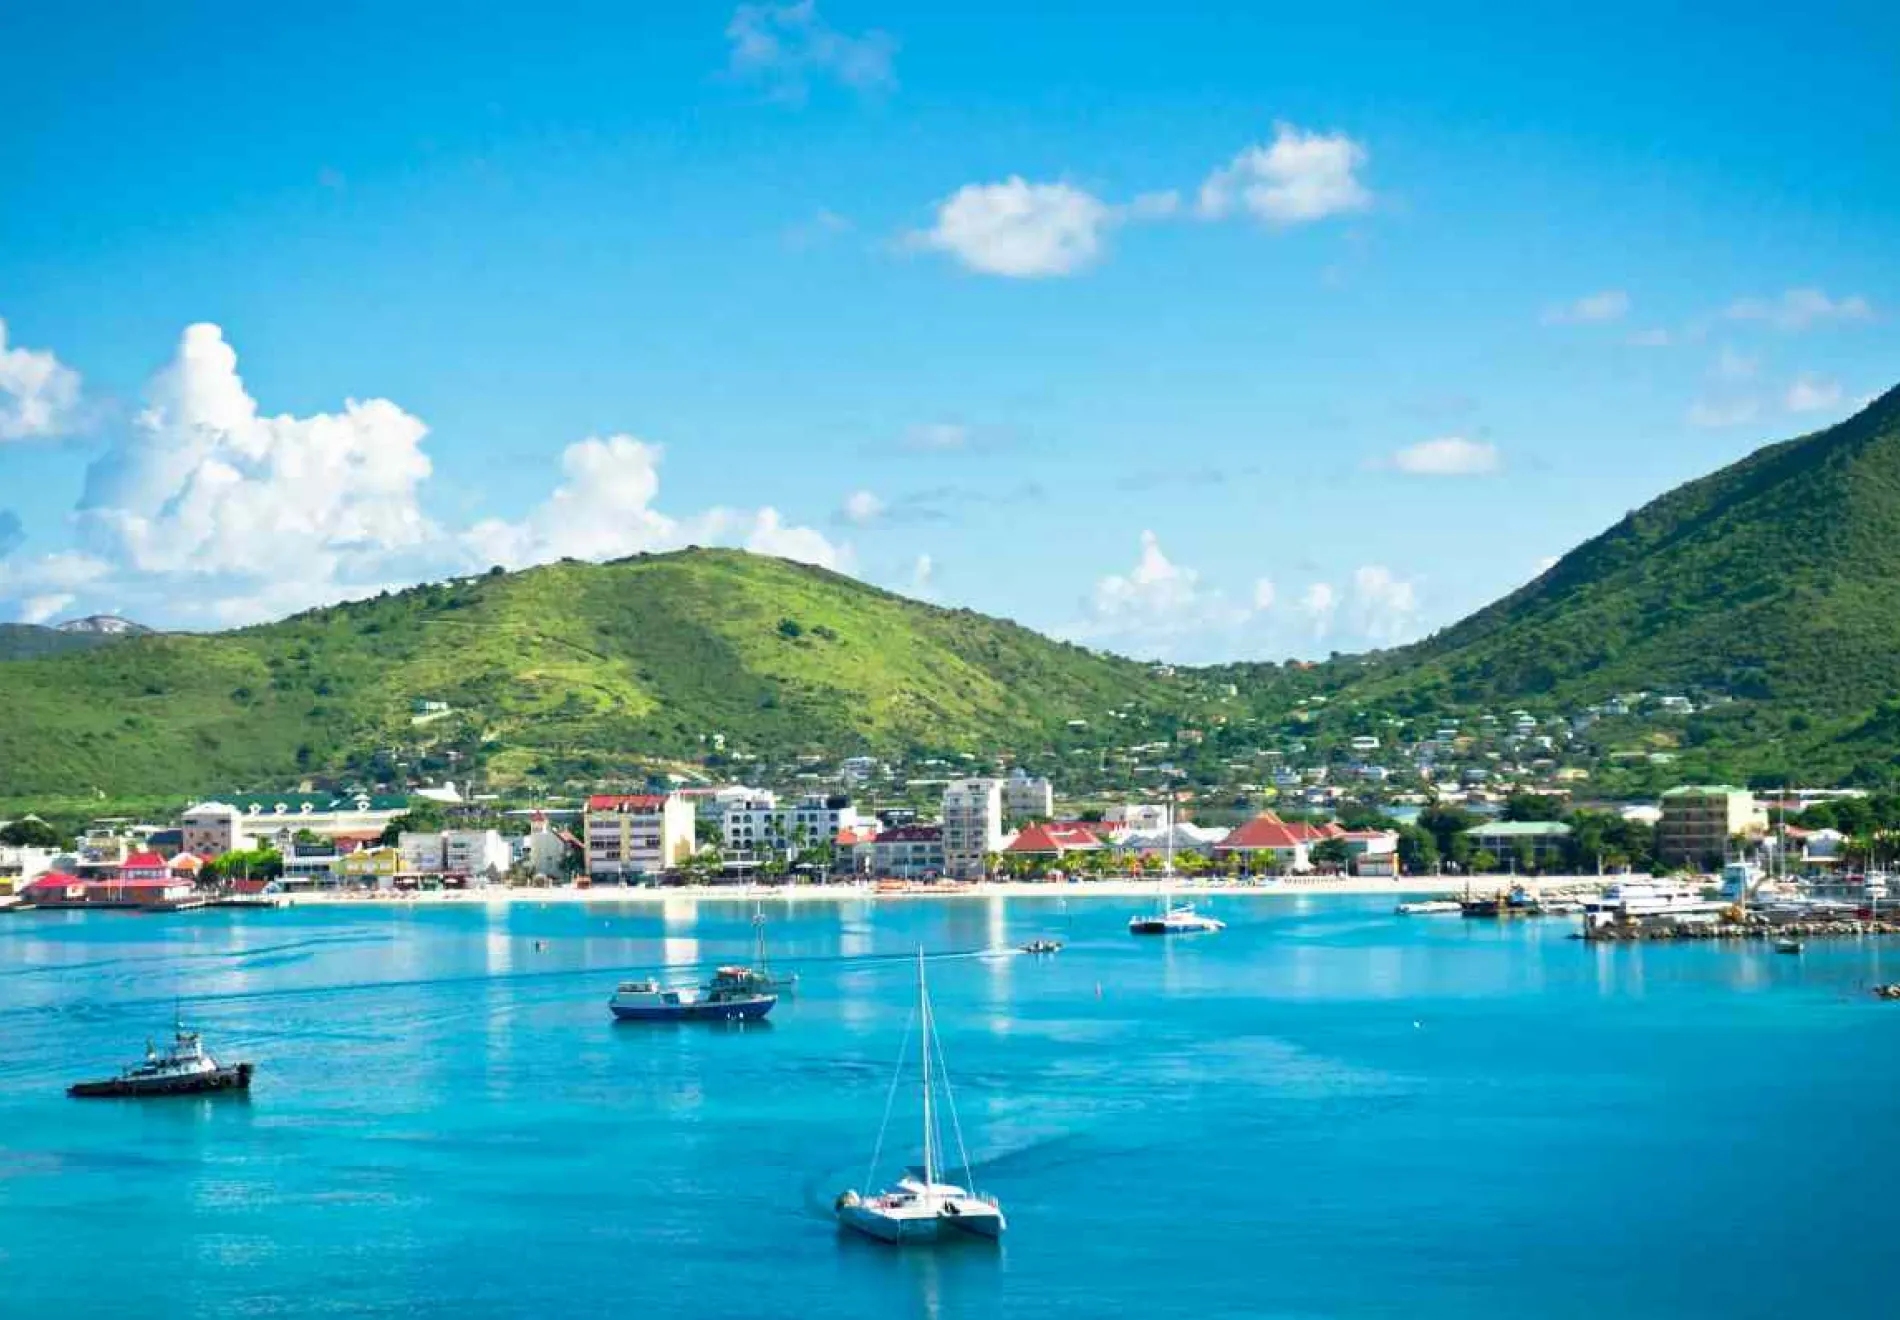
210 511
1018 229
1723 412
39 395
40 609
1299 177
1385 606
1798 309
1319 603
1448 456
785 46
1592 308
862 507
1810 393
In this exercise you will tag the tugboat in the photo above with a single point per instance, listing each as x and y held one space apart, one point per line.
184 1069
731 996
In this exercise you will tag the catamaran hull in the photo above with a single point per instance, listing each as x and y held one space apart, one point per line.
749 1011
235 1078
921 1229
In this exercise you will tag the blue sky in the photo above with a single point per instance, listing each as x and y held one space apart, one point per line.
1219 331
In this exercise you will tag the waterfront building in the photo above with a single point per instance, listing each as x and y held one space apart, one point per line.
756 827
22 865
476 855
1504 839
375 868
1268 842
1053 841
1027 797
1137 817
1185 837
327 815
907 852
212 829
1699 821
637 836
973 817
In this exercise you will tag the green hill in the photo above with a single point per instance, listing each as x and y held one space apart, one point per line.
567 671
1767 588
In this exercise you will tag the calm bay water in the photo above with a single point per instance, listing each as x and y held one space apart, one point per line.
1326 1110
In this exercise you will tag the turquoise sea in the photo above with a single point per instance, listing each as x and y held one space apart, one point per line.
1326 1110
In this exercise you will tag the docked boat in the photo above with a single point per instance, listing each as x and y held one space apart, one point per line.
184 1069
919 1208
1629 901
729 997
1430 907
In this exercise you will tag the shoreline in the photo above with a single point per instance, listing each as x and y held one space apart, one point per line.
1403 888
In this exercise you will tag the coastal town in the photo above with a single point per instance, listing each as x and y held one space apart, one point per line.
1815 851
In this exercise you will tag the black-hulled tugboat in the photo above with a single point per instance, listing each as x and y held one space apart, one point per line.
184 1069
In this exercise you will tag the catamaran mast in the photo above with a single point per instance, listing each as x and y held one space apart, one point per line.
930 1125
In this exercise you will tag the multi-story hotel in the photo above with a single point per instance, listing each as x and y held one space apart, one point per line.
637 836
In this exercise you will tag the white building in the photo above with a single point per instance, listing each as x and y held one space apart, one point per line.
859 769
756 827
972 826
1137 818
543 850
638 836
1025 797
212 829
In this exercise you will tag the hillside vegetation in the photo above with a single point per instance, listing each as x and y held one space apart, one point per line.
565 670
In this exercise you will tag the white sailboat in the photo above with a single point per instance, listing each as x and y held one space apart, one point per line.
1172 918
920 1208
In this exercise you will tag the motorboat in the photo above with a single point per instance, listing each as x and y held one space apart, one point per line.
1431 907
724 999
1043 946
1788 946
183 1069
919 1207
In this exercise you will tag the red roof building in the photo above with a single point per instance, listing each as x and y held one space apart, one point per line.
1053 840
626 802
1266 835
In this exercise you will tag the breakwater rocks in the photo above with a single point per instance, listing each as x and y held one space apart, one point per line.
1736 930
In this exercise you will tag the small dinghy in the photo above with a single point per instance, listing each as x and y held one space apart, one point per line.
1043 946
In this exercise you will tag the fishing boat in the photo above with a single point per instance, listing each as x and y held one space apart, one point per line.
728 997
184 1069
919 1208
762 978
1172 918
1430 907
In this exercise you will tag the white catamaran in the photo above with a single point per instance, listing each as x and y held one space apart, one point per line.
919 1208
1167 918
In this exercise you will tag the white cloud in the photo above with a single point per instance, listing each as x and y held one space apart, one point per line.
1263 593
1720 413
936 437
1731 365
39 395
210 512
1319 603
1592 308
1810 393
786 45
1449 456
1018 229
1546 563
1385 607
1652 338
1301 176
862 507
923 578
1156 587
1797 309
38 609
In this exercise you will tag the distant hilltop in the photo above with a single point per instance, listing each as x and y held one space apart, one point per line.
102 625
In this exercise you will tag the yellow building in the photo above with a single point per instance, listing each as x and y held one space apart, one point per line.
1699 822
369 866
